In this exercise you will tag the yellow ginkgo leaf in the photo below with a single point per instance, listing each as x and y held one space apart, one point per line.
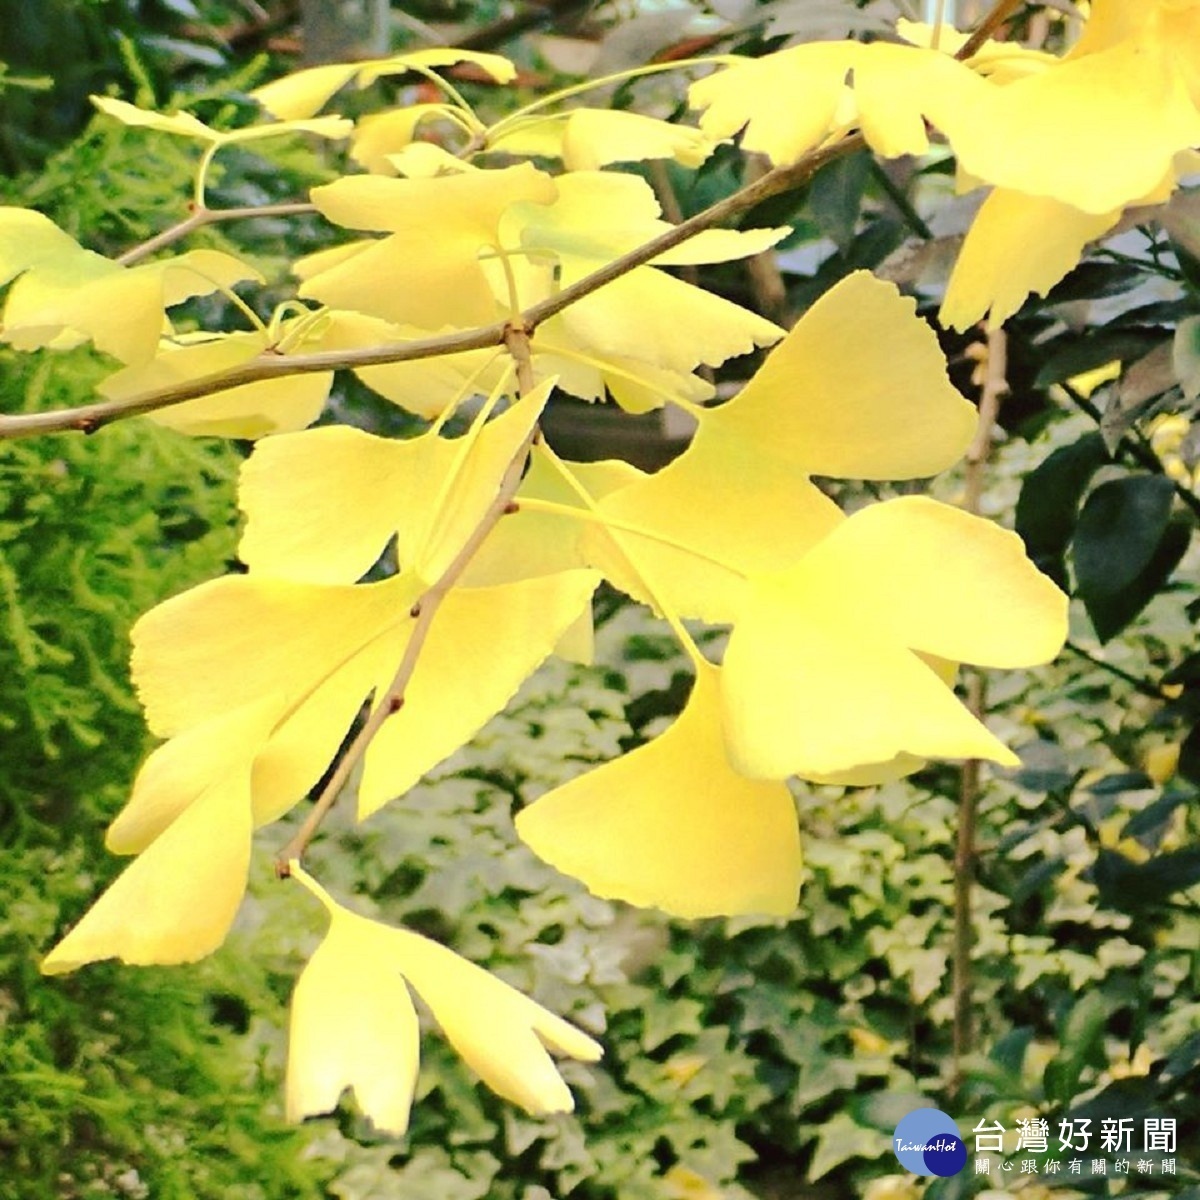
1017 244
381 135
121 309
352 1025
589 138
821 674
658 319
259 637
1096 131
788 102
409 277
673 825
250 411
430 491
304 93
501 1034
483 645
182 770
176 901
185 125
824 403
840 402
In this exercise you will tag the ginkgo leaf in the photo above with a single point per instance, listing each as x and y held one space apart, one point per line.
410 277
250 411
304 93
121 309
352 1025
501 1034
1016 245
1096 131
788 102
673 825
824 403
597 216
658 319
181 770
259 637
589 138
839 402
185 125
483 645
430 491
820 674
378 136
176 901
697 551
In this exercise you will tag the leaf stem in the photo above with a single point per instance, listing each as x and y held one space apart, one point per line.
201 216
426 609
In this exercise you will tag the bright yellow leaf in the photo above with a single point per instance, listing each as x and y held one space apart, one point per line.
1017 244
176 901
430 491
410 277
306 92
359 979
483 645
673 825
352 1025
820 672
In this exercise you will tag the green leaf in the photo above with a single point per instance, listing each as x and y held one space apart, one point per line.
1082 1041
836 196
1125 548
1186 357
1079 354
1049 502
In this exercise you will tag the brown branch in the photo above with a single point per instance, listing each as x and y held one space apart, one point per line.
208 216
424 612
89 417
995 385
1001 12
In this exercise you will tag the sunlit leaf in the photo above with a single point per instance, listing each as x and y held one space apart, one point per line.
673 825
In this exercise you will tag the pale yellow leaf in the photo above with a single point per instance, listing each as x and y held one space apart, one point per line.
176 901
673 825
352 1025
482 646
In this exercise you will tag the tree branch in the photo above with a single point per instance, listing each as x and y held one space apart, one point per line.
424 611
1001 12
995 385
208 216
90 417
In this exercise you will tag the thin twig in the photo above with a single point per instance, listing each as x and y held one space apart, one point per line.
208 216
90 417
1143 686
423 612
995 385
1003 10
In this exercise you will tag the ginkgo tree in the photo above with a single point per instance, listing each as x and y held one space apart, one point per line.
398 592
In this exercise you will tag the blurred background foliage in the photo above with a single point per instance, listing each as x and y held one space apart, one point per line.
765 1059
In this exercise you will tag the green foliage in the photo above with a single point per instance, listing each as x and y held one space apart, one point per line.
118 1083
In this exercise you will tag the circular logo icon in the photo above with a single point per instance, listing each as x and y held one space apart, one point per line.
927 1143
